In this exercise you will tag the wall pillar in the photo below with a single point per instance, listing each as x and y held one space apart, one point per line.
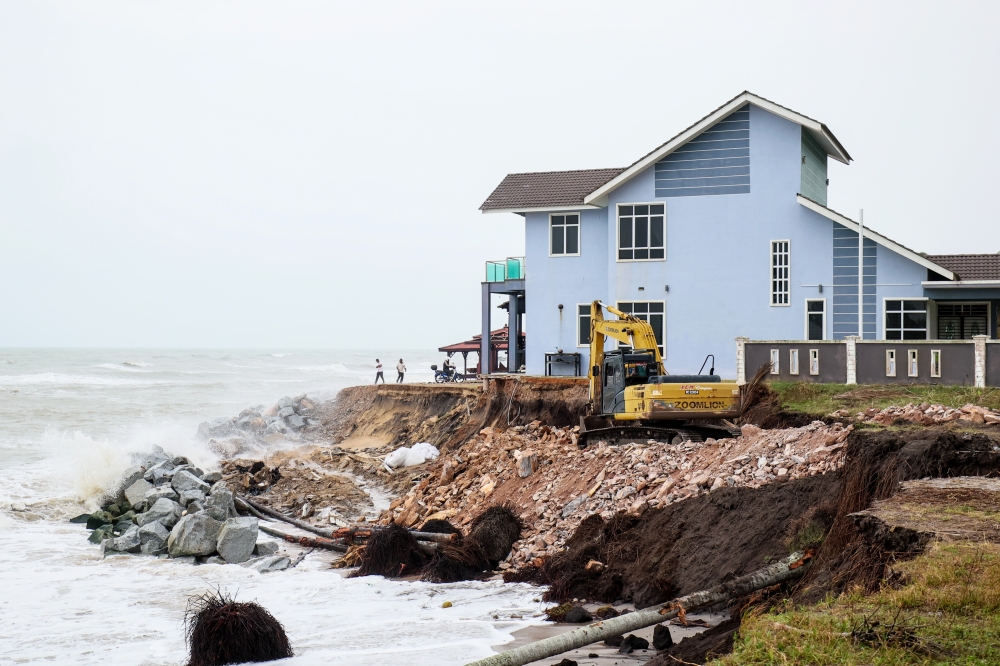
980 343
485 357
852 358
741 360
513 332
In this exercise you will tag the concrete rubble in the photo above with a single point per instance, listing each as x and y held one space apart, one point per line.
167 507
554 484
924 414
286 419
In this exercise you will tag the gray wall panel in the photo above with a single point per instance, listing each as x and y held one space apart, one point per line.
957 363
993 363
832 361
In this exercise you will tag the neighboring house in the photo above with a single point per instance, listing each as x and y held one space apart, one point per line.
723 231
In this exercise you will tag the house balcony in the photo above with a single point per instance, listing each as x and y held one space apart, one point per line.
504 277
511 268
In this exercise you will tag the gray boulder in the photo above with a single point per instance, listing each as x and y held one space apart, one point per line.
212 477
191 495
219 504
164 511
186 480
277 427
217 428
155 457
155 494
131 475
194 534
161 474
128 542
237 539
285 402
269 564
215 559
295 421
153 538
265 548
136 493
196 507
286 412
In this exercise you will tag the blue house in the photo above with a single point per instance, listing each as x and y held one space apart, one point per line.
722 231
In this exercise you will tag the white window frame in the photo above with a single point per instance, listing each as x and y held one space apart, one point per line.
770 273
618 232
814 362
890 362
912 364
775 361
793 361
806 317
936 363
927 311
663 352
579 235
580 343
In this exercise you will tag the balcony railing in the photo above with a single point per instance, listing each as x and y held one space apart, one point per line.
511 268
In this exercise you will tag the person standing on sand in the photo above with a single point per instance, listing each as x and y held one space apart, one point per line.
401 369
378 371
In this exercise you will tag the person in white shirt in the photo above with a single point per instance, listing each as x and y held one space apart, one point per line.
401 369
378 371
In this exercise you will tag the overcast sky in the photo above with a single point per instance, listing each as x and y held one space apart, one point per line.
294 174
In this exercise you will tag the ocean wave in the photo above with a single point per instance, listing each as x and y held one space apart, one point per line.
59 378
137 364
280 355
335 368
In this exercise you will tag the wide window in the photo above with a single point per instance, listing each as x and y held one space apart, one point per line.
641 232
816 319
906 320
583 325
779 272
564 234
651 311
962 321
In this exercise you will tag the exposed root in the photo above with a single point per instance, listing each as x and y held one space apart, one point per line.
496 530
391 552
223 631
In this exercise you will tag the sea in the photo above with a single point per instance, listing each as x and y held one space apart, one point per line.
71 421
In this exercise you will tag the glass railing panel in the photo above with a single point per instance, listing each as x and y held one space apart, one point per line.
515 268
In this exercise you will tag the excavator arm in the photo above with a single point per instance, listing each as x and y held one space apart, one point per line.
628 329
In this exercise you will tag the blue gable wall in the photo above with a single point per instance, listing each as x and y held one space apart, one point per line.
717 161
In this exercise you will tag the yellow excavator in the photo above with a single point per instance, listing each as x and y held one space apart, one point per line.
632 397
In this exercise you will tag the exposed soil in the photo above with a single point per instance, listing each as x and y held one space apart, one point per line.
700 648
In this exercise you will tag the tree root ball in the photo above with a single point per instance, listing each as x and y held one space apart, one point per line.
439 526
391 552
496 530
223 631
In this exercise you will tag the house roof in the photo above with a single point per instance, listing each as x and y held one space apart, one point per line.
818 130
970 266
519 192
916 257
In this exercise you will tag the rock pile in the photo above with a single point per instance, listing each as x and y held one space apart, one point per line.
287 417
554 485
166 506
923 414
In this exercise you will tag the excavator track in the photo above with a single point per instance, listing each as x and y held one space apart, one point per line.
673 434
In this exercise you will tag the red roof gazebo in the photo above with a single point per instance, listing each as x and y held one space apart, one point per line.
498 343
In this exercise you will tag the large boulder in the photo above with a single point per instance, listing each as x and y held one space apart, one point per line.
295 421
195 534
130 476
268 564
286 412
163 511
219 504
155 494
160 473
265 548
237 539
187 480
191 495
136 493
153 538
128 542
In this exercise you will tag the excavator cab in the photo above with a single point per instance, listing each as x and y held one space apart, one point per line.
622 368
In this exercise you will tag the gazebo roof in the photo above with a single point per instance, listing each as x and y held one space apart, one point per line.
498 340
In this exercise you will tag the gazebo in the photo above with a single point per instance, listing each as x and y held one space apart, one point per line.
498 343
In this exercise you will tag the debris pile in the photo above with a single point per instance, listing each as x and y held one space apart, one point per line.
923 414
166 506
553 485
285 419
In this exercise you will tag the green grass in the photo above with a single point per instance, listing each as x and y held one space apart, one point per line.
821 399
951 600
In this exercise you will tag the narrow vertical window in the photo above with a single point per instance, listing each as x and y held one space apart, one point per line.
815 319
583 325
935 363
564 235
911 363
775 359
793 361
779 272
890 362
813 361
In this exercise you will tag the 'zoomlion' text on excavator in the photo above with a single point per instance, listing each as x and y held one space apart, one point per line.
633 398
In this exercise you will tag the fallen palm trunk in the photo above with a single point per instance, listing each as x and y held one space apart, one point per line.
351 533
307 542
240 502
790 568
301 524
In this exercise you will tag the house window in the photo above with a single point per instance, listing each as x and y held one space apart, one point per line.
641 232
935 363
906 320
583 324
813 361
779 272
911 363
564 232
815 319
962 321
890 362
793 361
775 361
651 311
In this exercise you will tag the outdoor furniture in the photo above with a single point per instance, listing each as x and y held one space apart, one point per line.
560 358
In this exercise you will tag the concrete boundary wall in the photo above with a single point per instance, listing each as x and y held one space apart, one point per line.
946 362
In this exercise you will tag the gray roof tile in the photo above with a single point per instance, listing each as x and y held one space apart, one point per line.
547 188
970 266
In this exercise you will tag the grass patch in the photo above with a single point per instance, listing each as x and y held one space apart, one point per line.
948 612
821 399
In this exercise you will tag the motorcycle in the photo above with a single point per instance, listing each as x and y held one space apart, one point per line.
442 377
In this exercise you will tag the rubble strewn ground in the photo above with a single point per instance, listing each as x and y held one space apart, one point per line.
923 414
554 484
